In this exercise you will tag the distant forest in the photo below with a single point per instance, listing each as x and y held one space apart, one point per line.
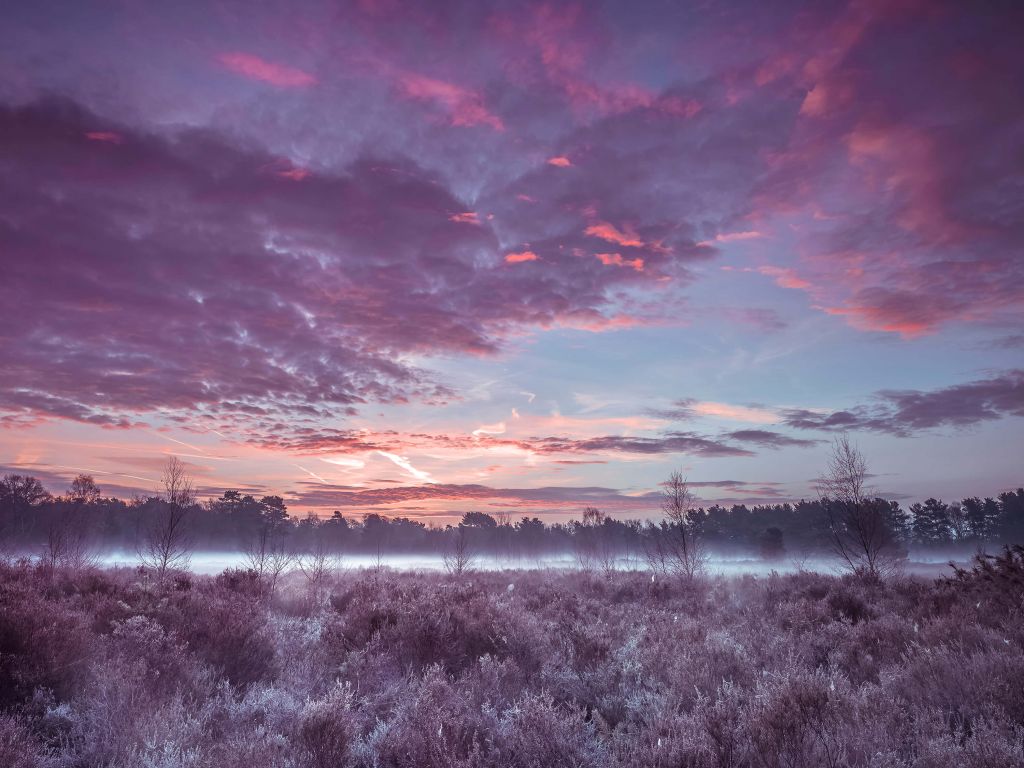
31 517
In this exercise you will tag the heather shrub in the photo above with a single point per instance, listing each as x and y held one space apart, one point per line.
432 726
44 644
418 624
847 601
244 581
163 662
994 579
109 668
329 729
794 721
871 646
724 726
535 733
228 631
964 686
17 748
257 729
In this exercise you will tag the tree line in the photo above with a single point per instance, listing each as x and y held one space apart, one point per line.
841 521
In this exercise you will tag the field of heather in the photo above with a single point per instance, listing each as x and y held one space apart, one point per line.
509 668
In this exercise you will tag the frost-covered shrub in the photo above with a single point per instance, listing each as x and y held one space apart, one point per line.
433 726
329 729
540 668
795 721
17 748
44 643
535 733
228 631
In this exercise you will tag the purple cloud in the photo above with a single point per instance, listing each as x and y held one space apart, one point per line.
906 412
187 273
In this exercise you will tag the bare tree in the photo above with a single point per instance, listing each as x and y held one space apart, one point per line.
584 538
593 543
675 547
68 545
69 540
459 558
165 545
858 526
268 555
316 566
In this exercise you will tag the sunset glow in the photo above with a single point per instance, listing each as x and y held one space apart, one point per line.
426 258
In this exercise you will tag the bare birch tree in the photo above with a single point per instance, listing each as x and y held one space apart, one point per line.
459 557
858 526
165 545
675 547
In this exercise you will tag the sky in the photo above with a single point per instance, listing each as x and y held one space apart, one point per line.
422 258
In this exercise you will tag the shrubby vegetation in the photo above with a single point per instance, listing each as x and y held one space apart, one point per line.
520 668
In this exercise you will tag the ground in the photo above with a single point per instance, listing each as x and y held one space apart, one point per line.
512 668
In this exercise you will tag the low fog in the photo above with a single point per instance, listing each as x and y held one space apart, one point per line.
932 564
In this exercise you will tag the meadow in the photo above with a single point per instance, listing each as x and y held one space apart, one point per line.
530 668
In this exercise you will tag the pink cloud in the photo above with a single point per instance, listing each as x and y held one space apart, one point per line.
295 174
255 68
561 47
107 136
466 217
521 256
465 107
775 68
732 237
559 161
785 277
615 259
595 323
609 232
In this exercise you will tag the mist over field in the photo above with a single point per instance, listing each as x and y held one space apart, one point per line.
212 563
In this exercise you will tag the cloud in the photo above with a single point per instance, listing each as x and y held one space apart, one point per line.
763 319
766 439
464 107
108 136
518 257
341 443
404 464
255 68
674 442
616 260
609 232
691 408
732 237
177 274
905 413
491 429
554 498
914 239
785 278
